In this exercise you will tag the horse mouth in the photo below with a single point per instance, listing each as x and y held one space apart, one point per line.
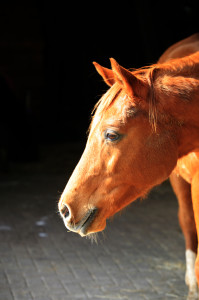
86 222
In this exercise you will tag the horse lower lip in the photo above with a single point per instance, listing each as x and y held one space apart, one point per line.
88 221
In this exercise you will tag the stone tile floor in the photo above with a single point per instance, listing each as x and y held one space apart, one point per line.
140 256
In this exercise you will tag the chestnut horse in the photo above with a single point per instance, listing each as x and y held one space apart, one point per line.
145 128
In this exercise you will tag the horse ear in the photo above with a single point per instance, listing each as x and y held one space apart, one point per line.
133 85
106 74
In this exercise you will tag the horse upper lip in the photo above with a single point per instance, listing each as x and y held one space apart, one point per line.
87 220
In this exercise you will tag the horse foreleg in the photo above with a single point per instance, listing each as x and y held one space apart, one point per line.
182 190
195 199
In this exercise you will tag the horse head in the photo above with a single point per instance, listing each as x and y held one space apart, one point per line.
130 149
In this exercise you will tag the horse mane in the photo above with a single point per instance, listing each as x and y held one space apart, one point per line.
150 72
176 78
152 98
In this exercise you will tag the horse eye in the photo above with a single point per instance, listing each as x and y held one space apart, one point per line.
111 135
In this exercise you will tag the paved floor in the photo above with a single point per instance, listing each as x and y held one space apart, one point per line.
140 257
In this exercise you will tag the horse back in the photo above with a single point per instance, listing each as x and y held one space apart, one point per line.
183 48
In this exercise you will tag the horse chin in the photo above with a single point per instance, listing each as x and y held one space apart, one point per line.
93 229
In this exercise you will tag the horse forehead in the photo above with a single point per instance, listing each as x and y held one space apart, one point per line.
119 105
122 100
115 105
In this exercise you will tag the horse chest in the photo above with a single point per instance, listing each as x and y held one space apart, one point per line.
187 166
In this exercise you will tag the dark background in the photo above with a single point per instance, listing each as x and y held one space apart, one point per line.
48 85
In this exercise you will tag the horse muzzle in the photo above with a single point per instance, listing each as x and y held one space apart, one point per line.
82 226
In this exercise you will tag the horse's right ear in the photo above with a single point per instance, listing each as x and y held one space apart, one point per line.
106 74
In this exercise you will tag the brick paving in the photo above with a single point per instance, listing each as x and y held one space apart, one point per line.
140 256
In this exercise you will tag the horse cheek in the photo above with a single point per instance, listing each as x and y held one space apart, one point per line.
164 161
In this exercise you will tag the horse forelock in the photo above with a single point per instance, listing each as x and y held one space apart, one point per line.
103 104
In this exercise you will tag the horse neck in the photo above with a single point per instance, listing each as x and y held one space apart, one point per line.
177 93
184 66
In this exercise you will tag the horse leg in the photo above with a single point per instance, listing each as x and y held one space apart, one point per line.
195 199
182 190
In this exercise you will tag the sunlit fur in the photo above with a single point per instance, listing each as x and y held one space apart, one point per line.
102 105
155 110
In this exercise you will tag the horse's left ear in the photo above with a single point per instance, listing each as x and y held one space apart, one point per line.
106 74
133 85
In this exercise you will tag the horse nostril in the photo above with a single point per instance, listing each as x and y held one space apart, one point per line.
65 211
